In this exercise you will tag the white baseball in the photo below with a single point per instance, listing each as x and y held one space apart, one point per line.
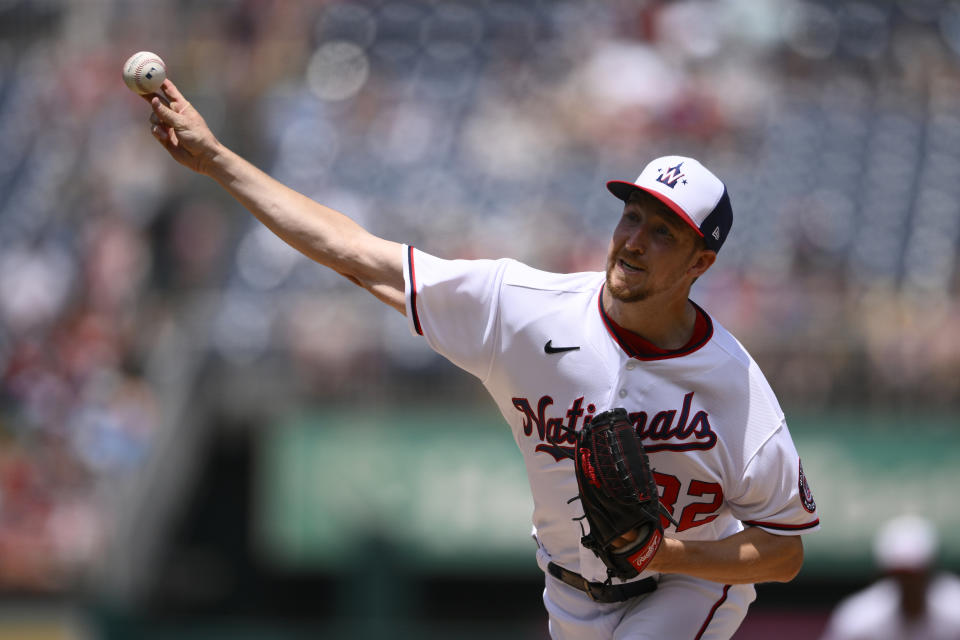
144 72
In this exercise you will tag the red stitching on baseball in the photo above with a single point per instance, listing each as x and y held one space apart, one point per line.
136 74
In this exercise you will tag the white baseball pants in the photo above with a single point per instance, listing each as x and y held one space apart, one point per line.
682 608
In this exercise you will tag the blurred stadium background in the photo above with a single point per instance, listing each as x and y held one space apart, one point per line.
187 404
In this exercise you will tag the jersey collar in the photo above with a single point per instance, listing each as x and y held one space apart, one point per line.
640 348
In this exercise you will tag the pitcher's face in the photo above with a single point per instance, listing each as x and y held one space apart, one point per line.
652 251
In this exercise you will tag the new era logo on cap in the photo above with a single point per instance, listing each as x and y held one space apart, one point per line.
690 190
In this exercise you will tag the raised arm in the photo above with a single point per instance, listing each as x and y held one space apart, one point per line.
320 233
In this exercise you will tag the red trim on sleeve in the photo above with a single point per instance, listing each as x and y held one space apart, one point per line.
413 292
713 611
782 527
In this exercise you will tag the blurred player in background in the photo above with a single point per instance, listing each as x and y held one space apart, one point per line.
553 349
912 601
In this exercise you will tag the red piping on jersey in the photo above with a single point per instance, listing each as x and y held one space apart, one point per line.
713 611
413 292
782 527
647 351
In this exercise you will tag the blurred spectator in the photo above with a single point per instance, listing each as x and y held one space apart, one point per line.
912 601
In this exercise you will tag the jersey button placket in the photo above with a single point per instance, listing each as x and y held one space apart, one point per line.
629 365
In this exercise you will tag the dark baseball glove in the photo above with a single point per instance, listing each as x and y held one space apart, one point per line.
618 493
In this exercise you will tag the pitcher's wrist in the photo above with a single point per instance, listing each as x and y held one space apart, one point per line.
212 162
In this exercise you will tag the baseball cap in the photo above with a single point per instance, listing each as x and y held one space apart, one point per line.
690 190
908 542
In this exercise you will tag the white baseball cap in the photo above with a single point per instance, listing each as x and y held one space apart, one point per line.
908 542
690 190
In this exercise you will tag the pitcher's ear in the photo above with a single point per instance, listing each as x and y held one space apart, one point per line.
705 260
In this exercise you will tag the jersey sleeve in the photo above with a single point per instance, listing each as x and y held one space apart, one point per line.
454 305
773 492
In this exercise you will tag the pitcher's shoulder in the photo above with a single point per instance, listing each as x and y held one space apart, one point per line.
518 274
730 347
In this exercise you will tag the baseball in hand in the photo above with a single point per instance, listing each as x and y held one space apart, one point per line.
144 72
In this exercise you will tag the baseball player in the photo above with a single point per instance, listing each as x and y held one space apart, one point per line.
553 350
913 599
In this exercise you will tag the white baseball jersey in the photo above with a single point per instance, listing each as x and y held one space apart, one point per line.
543 347
875 614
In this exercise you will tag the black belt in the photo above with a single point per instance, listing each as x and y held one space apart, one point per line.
600 592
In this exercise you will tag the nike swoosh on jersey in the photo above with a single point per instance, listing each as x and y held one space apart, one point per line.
549 348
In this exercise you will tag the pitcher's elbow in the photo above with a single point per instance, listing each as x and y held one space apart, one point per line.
792 562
